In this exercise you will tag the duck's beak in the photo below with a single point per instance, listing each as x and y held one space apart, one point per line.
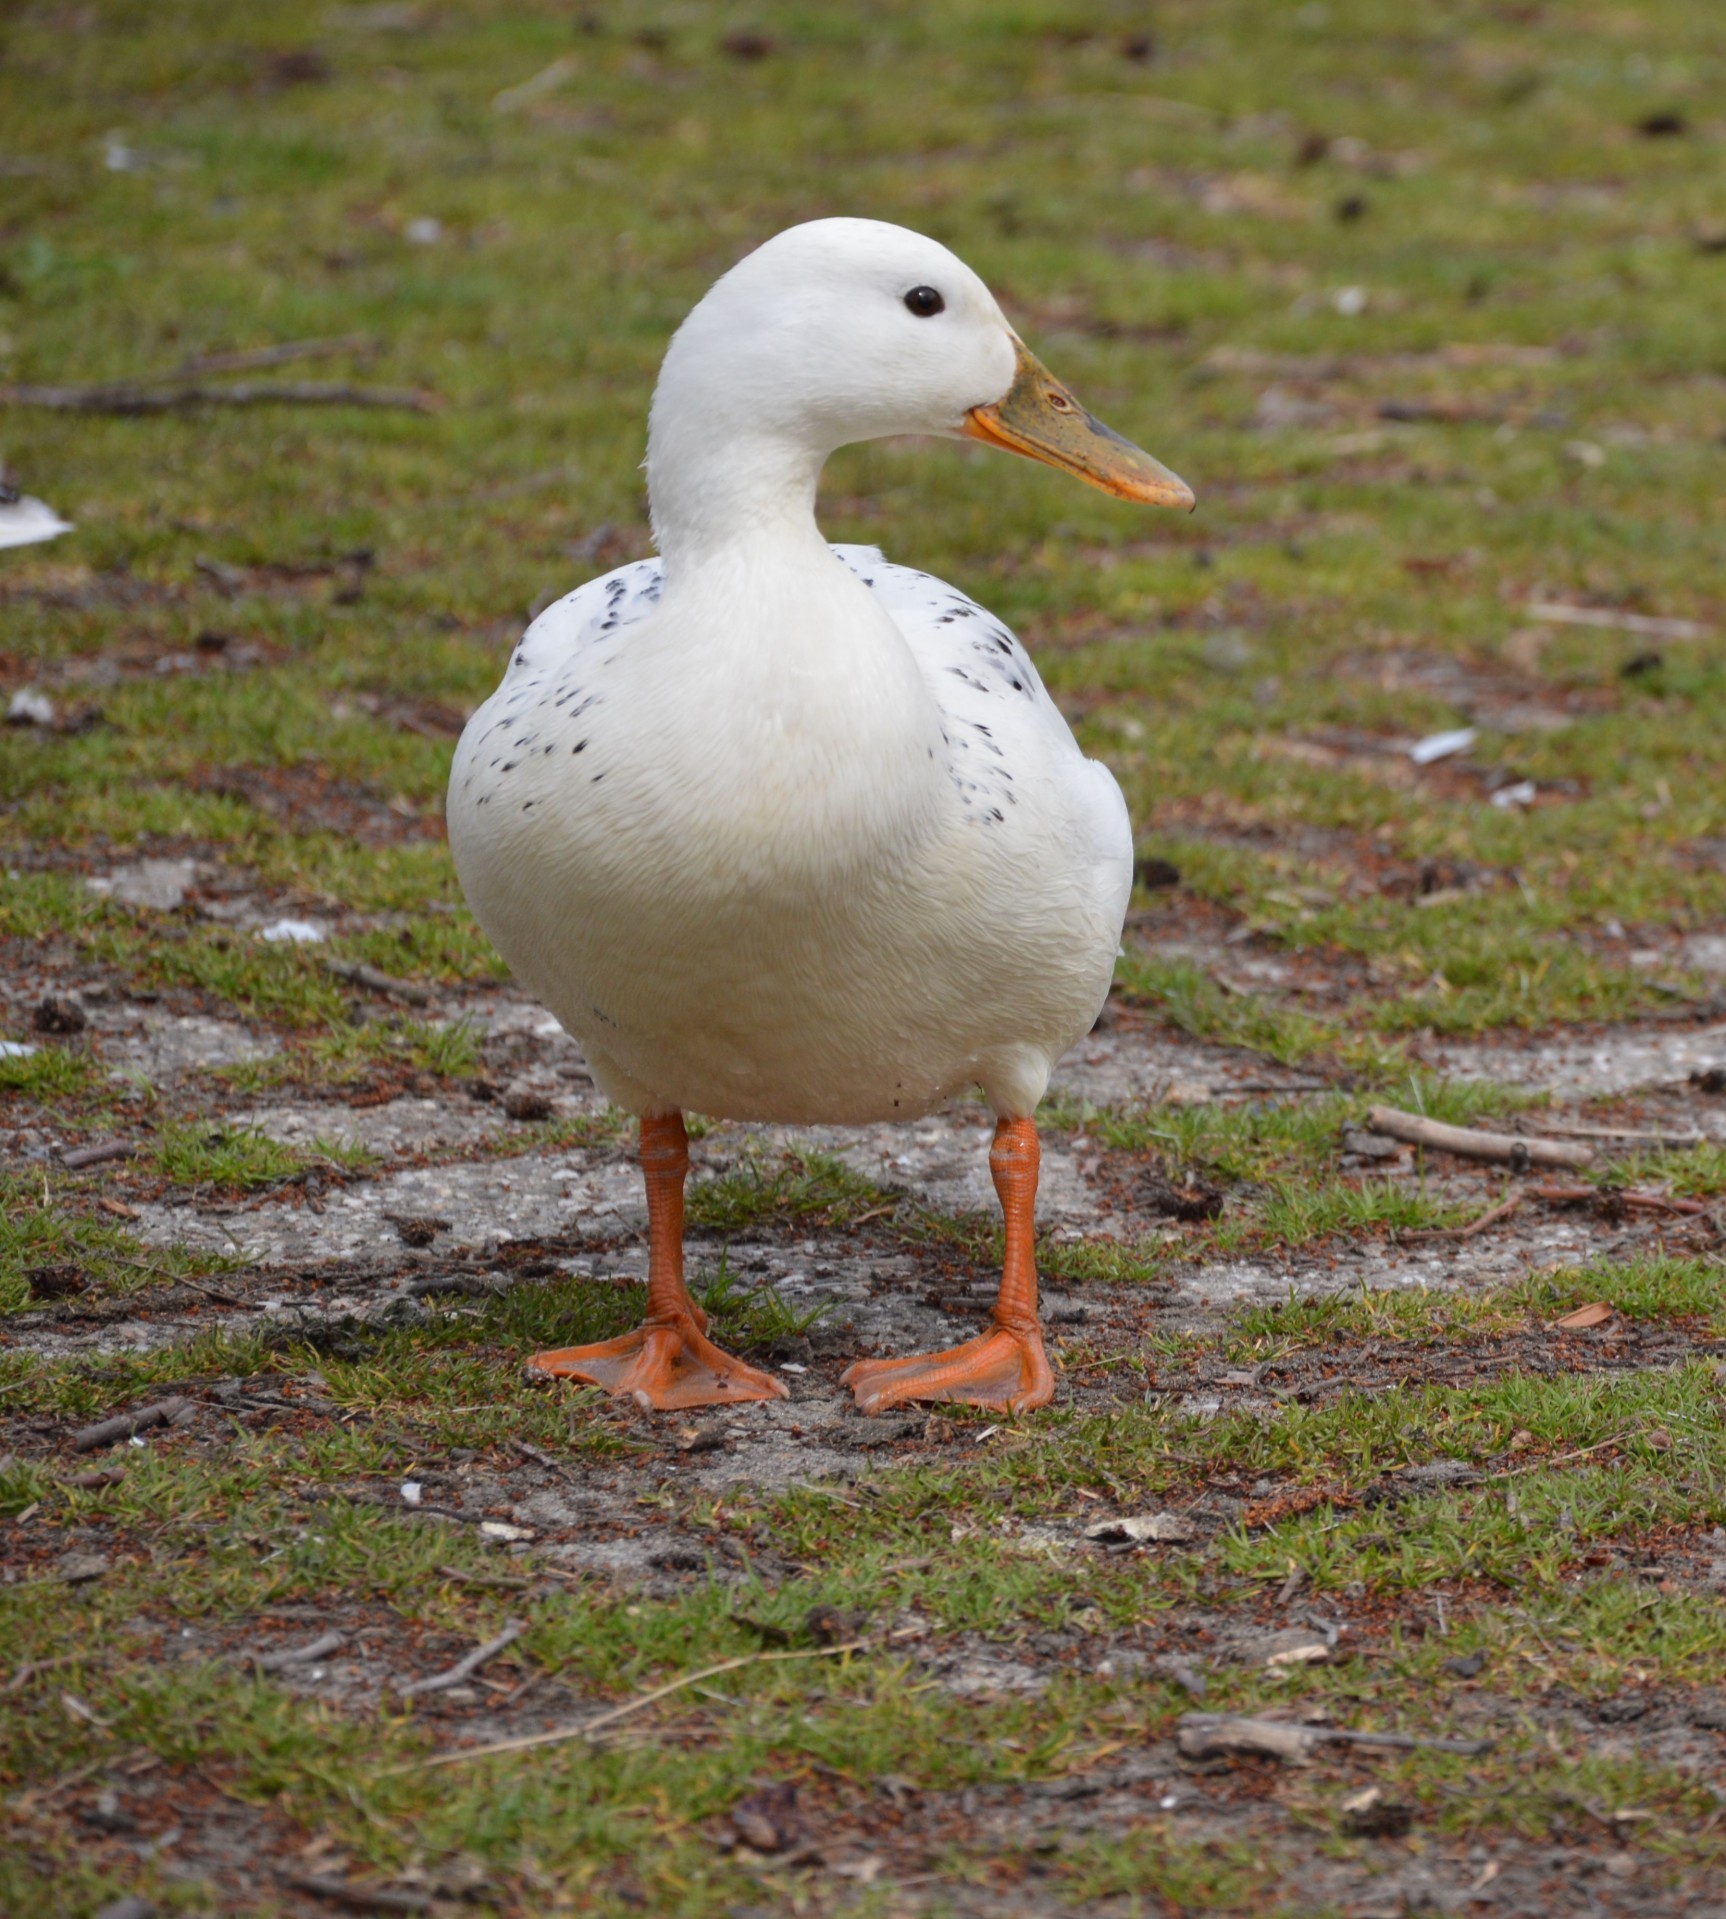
1041 419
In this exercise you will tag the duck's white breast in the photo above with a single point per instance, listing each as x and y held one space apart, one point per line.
827 863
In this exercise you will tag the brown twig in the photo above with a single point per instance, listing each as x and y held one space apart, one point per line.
96 1155
1404 1742
126 397
639 1704
1558 1459
497 1581
1627 1132
466 1668
252 359
1648 1202
215 1292
165 1412
297 1655
1502 1210
34 1668
361 1898
1556 613
1470 1143
362 975
1207 1735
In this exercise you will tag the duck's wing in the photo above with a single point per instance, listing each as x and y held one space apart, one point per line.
1007 738
593 613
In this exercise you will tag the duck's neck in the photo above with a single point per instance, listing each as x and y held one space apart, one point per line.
723 495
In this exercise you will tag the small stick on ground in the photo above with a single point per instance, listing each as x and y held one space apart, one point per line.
122 397
601 1720
1681 1142
360 974
533 1452
96 1155
1654 626
1649 1202
34 1668
1404 1742
466 1668
97 1476
498 1581
297 1655
361 1898
1502 1210
215 1292
1209 1735
1558 1459
251 359
1469 1142
165 1412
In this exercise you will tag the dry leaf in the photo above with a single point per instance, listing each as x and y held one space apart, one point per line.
1595 1313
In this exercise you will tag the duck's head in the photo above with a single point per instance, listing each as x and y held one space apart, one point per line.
846 330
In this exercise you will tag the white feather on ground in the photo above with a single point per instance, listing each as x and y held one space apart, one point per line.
25 521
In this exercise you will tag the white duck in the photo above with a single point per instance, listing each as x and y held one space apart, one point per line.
780 831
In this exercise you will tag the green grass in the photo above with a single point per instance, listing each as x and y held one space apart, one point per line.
260 214
816 1189
50 1073
1168 233
49 1250
1647 1287
239 1159
271 1518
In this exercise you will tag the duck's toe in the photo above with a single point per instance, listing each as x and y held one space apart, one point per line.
1003 1367
662 1368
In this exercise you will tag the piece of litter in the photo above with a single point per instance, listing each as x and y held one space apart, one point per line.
423 232
791 1366
17 1049
1521 794
1370 1815
565 67
159 885
1349 301
1440 746
24 521
1595 1313
1168 1802
1142 1526
29 707
299 932
1205 1735
1294 1646
299 1655
499 1529
411 1491
1220 1736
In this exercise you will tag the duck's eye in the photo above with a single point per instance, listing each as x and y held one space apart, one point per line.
925 302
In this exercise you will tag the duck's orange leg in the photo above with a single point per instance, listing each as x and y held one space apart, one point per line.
668 1362
1007 1365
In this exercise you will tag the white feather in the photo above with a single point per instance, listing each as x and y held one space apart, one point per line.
24 521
